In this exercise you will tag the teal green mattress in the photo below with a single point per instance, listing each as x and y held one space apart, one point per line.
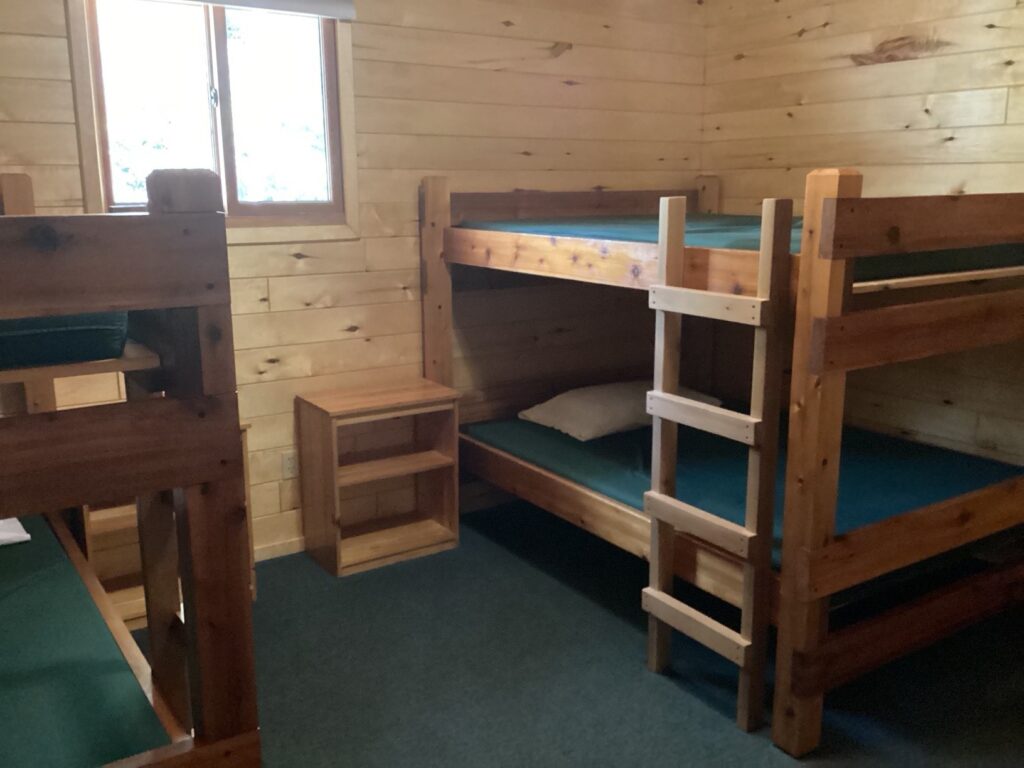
714 230
67 697
65 339
879 476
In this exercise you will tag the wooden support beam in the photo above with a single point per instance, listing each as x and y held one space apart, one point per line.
812 467
215 584
771 345
534 204
710 418
874 550
16 195
688 519
665 443
867 645
744 310
879 226
158 547
719 638
436 280
874 337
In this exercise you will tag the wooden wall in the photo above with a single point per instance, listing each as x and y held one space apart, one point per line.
37 114
924 97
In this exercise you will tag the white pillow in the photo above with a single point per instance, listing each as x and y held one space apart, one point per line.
591 412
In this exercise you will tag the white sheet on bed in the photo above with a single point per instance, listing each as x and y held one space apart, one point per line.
12 532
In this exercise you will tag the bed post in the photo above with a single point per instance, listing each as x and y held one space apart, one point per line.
668 337
709 194
212 525
812 471
436 280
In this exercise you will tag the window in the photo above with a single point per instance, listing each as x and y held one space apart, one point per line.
250 94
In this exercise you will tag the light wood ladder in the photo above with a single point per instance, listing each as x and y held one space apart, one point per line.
768 312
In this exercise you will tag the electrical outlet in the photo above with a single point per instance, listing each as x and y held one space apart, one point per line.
289 464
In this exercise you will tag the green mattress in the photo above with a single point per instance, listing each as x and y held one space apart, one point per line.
65 339
67 697
714 230
879 476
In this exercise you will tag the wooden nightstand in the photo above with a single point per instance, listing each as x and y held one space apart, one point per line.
423 417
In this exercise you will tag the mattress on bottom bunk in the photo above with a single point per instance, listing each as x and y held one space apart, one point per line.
67 695
719 230
64 339
879 476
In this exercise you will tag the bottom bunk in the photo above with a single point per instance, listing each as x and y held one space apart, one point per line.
599 486
70 692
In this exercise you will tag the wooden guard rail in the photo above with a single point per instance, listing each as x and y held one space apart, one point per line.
175 443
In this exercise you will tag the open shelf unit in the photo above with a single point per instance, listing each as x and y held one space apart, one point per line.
351 440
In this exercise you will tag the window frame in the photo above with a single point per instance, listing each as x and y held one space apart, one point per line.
239 213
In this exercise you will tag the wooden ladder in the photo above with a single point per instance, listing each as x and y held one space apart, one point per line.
751 543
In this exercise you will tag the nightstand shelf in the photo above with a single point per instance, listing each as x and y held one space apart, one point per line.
352 442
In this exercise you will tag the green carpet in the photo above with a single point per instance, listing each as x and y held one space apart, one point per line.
525 647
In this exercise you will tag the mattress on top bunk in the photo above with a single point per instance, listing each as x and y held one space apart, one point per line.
717 230
25 343
67 696
879 476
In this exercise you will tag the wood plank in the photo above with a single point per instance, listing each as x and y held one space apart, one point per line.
38 144
539 203
43 471
608 262
214 541
347 402
452 118
435 219
688 519
812 466
711 634
283 259
908 40
616 523
375 42
867 645
895 113
401 80
706 417
158 546
33 17
36 101
709 304
136 357
898 333
885 226
122 637
392 466
34 57
866 553
237 752
173 258
322 291
275 329
385 150
538 22
383 541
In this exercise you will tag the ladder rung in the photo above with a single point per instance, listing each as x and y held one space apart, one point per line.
702 525
747 310
709 418
698 626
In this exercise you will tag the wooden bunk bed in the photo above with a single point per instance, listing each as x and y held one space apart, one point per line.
986 502
175 444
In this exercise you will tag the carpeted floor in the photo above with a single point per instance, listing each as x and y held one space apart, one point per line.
525 647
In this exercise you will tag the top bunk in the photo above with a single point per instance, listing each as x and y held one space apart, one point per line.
612 238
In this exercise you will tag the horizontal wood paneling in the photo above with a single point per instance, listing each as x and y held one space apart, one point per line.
924 97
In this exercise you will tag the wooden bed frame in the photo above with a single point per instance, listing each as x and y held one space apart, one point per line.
175 445
840 326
